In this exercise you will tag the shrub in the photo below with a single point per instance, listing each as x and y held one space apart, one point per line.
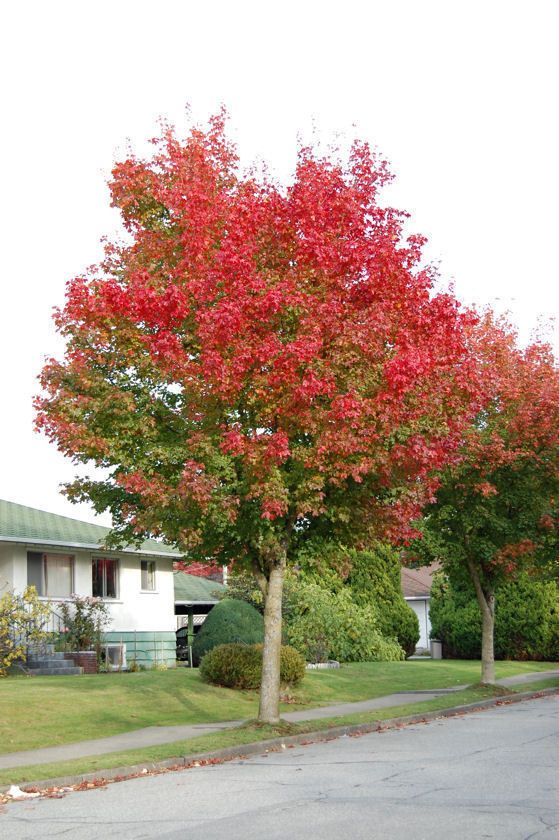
292 666
229 621
23 619
85 619
526 619
240 666
374 578
329 625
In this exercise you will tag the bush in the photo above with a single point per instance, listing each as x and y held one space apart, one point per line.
85 619
229 621
526 619
292 666
240 666
374 578
329 625
23 621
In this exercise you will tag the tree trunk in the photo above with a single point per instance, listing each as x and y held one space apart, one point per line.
487 641
270 687
486 600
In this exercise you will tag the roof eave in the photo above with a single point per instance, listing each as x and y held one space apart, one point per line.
89 547
194 603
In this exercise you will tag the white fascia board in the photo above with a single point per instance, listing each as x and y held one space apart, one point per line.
90 547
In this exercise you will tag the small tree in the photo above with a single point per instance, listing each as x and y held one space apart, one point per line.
496 511
23 621
257 365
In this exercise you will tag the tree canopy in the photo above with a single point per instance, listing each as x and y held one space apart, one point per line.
496 511
255 366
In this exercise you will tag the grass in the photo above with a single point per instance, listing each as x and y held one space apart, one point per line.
49 711
249 733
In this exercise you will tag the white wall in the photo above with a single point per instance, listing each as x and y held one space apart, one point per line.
137 610
132 610
420 606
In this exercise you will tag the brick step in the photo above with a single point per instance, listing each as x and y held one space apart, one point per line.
72 671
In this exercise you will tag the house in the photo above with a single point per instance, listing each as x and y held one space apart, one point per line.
61 557
416 588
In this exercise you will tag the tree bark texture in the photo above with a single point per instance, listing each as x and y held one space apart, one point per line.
270 687
486 601
487 641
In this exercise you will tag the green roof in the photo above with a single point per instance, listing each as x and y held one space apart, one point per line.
22 524
190 589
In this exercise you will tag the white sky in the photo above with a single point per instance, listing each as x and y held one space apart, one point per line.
461 97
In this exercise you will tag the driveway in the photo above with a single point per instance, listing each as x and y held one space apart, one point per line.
492 774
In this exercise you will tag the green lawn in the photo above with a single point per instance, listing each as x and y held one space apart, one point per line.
242 735
46 711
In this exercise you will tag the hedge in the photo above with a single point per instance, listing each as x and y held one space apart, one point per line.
526 620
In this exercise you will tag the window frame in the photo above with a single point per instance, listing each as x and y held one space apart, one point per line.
43 557
147 563
103 595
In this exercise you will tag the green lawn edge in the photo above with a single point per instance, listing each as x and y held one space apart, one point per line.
244 735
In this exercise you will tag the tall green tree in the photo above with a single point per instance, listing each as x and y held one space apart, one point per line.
257 364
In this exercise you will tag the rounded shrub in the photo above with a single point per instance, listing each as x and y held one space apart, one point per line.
240 666
292 666
229 621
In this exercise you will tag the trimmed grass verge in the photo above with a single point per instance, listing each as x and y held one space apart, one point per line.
49 711
249 734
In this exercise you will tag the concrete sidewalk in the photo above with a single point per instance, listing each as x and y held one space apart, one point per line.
154 735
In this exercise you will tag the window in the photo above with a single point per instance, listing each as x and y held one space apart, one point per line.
148 575
104 577
114 656
51 574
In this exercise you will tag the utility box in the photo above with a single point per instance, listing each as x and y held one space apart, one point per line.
436 649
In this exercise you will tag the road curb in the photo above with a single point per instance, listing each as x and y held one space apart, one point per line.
274 744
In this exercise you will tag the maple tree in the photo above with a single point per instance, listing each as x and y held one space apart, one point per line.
496 512
258 366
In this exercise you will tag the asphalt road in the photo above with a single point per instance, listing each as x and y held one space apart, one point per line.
492 774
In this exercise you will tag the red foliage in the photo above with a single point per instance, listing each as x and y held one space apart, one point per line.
298 326
205 570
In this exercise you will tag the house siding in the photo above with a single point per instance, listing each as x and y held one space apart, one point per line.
143 619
